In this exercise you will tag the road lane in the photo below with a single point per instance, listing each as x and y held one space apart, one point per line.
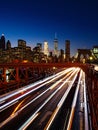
34 105
7 100
52 97
28 98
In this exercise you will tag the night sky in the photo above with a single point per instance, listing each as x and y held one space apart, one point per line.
38 20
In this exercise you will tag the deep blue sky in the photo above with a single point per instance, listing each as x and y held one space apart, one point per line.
38 20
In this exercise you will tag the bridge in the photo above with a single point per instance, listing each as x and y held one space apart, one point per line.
66 85
20 74
86 55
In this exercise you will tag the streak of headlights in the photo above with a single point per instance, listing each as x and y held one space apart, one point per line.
4 97
61 102
27 123
69 126
6 105
16 113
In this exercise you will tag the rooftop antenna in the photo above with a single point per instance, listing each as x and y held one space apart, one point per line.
55 35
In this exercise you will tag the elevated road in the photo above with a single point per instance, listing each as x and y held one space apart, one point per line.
38 106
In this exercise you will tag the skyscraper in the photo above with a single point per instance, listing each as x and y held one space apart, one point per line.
2 42
56 47
22 44
8 45
46 48
40 46
67 50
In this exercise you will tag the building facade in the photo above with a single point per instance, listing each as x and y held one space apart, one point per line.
56 47
2 42
67 50
46 48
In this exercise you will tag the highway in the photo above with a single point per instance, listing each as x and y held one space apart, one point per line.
37 105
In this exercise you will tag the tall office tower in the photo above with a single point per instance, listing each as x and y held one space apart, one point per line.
67 50
40 46
22 44
46 48
2 42
8 45
56 47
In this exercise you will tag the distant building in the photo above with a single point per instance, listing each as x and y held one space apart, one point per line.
67 50
95 51
56 47
61 56
46 48
20 53
8 45
50 58
38 55
22 44
40 46
2 42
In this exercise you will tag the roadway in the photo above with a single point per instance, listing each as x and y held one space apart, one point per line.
37 105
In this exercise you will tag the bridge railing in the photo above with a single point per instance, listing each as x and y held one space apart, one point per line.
14 75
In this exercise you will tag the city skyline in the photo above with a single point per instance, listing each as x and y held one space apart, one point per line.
35 21
45 46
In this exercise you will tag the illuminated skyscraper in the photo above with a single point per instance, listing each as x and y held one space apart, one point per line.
46 48
22 44
40 46
67 50
56 47
2 42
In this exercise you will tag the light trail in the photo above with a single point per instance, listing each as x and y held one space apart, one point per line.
19 91
16 113
69 126
6 96
54 85
25 125
3 107
60 103
86 124
17 108
31 120
41 94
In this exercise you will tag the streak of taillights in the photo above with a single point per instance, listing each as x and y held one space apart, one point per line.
30 121
16 113
61 102
25 125
4 97
69 126
86 124
57 82
6 105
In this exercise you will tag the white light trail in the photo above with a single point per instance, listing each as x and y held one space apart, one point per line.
6 105
6 96
61 101
60 80
16 113
74 103
25 125
86 124
30 121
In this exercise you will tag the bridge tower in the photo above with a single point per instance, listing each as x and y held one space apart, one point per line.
84 55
